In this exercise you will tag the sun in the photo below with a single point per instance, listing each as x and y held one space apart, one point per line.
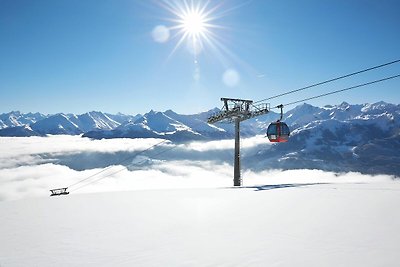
193 26
194 23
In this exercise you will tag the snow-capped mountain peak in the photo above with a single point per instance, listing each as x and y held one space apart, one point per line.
342 137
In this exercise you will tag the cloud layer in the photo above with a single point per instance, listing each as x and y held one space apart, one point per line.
30 166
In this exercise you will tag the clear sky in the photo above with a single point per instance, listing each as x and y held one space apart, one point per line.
124 55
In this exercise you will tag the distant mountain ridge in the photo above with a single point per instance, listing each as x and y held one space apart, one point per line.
16 118
179 127
341 138
363 138
37 124
168 125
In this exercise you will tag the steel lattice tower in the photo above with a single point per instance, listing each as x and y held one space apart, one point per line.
236 111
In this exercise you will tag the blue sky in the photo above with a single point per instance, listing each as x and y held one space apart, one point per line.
77 56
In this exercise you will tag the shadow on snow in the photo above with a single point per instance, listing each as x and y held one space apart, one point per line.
279 186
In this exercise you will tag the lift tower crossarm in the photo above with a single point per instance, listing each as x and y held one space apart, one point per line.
238 110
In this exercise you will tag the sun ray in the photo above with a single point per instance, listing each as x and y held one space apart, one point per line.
194 24
178 44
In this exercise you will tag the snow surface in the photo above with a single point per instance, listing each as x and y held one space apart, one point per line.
184 211
342 223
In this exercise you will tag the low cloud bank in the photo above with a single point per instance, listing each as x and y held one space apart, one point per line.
31 166
83 153
19 151
226 144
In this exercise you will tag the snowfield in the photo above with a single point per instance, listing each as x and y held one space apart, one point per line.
335 223
181 209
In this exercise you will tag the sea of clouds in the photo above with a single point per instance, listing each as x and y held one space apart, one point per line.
30 166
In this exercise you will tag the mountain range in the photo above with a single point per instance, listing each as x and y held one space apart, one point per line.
340 138
98 125
363 138
20 124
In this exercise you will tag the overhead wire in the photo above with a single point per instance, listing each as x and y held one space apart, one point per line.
122 161
341 90
118 163
328 81
122 169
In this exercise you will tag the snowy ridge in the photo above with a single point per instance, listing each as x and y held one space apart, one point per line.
169 124
56 124
151 125
95 120
59 123
2 125
16 118
342 137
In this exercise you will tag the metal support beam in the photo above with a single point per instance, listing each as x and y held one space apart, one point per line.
237 180
238 110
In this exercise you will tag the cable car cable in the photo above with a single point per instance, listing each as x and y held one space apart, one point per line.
119 163
126 159
341 90
118 171
330 80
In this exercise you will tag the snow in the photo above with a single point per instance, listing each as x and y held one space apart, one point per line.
161 123
384 121
115 123
184 128
102 121
2 125
67 119
182 210
279 218
275 224
14 121
180 127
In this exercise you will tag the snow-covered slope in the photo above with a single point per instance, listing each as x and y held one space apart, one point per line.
177 127
198 122
155 125
94 120
16 118
274 224
160 123
170 123
343 137
56 124
122 118
306 113
18 131
60 123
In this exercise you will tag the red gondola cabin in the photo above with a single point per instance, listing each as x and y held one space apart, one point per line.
278 132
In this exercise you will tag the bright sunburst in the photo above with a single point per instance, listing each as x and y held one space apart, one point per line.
192 22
